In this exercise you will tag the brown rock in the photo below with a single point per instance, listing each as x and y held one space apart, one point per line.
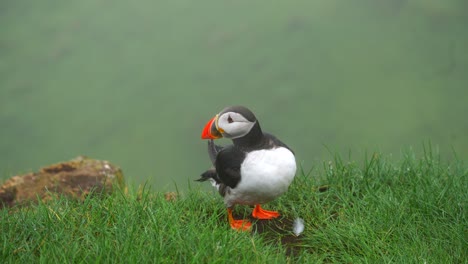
74 179
170 196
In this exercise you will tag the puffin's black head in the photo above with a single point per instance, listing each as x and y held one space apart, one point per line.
232 122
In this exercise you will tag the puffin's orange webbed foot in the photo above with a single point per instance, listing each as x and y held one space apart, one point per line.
239 225
260 213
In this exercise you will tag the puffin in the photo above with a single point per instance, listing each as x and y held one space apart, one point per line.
256 169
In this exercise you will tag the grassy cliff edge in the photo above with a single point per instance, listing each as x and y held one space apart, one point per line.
378 212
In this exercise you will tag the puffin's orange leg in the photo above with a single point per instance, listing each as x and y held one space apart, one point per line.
259 213
239 225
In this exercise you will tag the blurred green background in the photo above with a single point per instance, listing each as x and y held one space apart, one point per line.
134 82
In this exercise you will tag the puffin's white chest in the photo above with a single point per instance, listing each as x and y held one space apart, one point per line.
266 174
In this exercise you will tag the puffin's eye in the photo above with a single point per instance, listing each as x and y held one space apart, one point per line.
230 120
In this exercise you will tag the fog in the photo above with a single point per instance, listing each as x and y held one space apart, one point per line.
134 82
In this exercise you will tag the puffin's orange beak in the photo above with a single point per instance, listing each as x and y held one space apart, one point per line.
211 131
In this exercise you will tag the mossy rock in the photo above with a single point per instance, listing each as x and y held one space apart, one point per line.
75 179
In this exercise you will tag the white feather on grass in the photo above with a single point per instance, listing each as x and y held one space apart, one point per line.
298 226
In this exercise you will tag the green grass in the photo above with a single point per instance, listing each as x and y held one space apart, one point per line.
411 211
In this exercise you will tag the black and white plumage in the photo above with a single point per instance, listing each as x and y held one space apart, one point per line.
255 170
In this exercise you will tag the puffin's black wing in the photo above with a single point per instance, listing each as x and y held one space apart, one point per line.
226 172
213 150
228 163
227 167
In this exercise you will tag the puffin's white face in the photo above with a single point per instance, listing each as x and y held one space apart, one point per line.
233 125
